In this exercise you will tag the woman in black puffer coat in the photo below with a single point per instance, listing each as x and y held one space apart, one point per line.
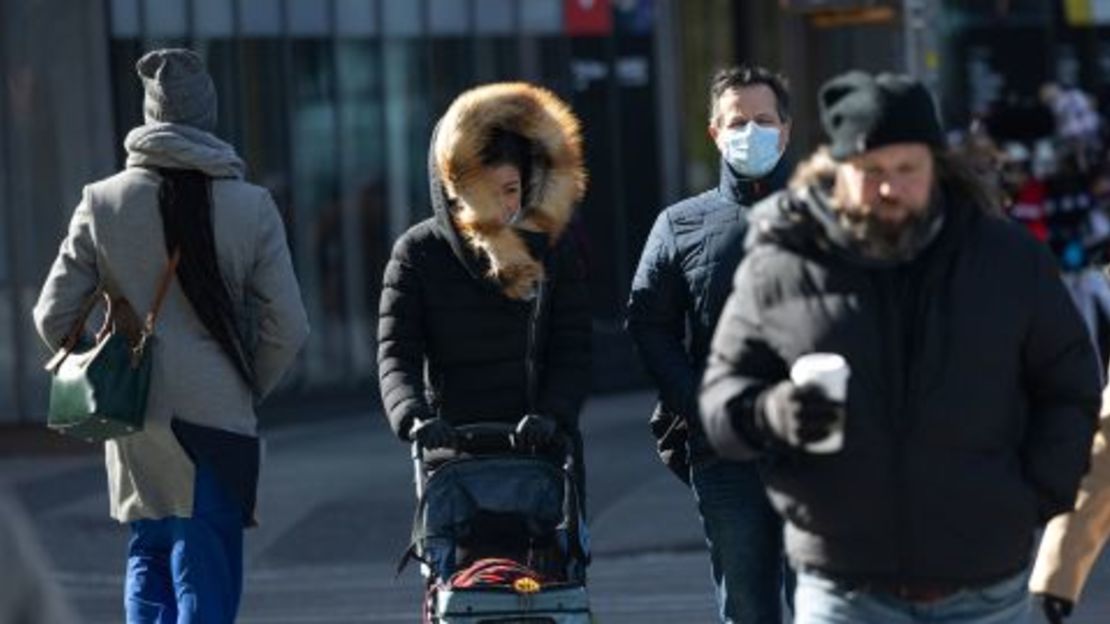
460 290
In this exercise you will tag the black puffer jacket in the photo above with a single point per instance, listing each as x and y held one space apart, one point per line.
452 342
972 398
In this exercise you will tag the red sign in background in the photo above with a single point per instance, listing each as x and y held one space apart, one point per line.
588 17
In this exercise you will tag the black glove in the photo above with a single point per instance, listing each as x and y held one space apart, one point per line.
433 433
1055 608
535 431
796 415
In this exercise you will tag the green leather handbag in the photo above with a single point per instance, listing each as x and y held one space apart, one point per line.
99 388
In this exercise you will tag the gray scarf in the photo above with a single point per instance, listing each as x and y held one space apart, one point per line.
177 146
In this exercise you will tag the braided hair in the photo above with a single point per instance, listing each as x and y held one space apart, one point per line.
185 201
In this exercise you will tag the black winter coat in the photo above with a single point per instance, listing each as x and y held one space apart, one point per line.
474 339
972 398
451 342
682 282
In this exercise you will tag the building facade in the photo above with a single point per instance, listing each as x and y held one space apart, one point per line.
331 103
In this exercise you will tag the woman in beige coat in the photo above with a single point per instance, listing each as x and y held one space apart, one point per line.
1073 541
231 325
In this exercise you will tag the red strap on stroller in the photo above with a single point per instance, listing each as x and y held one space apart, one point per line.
495 572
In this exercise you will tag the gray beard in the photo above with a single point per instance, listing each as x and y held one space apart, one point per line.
877 240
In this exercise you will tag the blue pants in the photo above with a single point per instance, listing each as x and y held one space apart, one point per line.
744 535
822 601
187 570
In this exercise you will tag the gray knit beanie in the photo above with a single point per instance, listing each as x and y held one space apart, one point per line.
178 89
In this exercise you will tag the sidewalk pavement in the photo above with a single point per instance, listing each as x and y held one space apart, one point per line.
36 440
648 546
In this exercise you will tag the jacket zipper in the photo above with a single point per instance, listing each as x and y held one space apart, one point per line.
896 405
530 353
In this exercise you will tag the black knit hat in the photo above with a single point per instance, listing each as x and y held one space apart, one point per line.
861 112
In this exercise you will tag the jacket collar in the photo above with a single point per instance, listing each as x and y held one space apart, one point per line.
745 191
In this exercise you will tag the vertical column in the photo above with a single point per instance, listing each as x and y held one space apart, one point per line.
11 240
51 143
354 259
397 65
668 105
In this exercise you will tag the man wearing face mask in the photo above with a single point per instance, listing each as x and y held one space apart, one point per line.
680 287
967 417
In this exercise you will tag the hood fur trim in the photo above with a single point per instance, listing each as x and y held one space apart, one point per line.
558 180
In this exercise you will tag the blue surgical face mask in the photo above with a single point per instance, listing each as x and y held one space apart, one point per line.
752 149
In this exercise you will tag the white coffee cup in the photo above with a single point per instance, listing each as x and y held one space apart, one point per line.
830 372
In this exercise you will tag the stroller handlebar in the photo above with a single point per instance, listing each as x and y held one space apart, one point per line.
493 438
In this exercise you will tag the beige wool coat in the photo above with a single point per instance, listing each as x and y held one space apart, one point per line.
115 239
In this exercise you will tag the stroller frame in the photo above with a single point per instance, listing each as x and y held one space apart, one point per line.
459 475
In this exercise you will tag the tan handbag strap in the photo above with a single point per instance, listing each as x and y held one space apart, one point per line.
163 290
159 298
86 309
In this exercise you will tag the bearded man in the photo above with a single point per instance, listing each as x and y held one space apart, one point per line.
973 386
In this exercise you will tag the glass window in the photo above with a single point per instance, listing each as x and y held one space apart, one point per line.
316 205
600 208
494 17
554 63
362 192
356 17
401 17
164 19
638 160
308 17
408 127
212 18
260 91
634 17
452 69
260 17
498 58
127 90
448 17
261 99
541 16
125 18
222 59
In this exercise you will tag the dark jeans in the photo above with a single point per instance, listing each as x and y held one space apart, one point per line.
744 535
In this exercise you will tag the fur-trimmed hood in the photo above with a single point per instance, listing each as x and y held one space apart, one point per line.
465 203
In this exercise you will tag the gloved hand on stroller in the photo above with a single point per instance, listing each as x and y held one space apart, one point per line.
434 433
532 432
535 431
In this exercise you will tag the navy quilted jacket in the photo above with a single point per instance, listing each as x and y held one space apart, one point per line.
684 277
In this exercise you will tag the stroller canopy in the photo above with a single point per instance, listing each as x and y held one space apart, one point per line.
457 492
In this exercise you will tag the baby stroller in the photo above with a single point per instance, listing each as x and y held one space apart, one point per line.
499 533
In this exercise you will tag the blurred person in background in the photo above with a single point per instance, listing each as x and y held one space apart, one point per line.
1077 122
973 388
232 324
1072 541
1024 194
680 287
